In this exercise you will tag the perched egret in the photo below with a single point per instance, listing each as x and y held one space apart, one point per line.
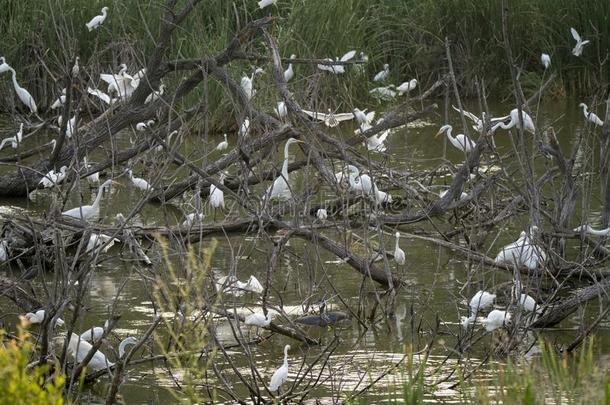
407 87
155 94
122 83
79 348
97 20
481 300
13 140
59 101
37 317
92 178
588 229
383 93
75 67
376 143
23 95
4 67
217 196
383 75
322 214
281 374
331 119
460 141
94 334
399 254
223 145
264 3
244 128
101 95
358 182
192 219
580 44
99 243
528 304
289 73
363 117
53 178
247 84
381 196
281 111
143 126
138 182
545 59
252 285
495 320
280 189
522 253
87 212
337 69
70 127
528 122
259 319
591 116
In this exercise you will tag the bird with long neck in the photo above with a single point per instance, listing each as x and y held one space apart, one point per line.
281 374
25 97
280 188
460 141
92 211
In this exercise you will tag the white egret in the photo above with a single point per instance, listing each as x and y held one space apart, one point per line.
289 73
591 116
80 348
155 94
407 87
383 93
322 214
281 374
495 320
53 144
588 229
522 253
3 251
443 193
97 20
101 95
399 254
71 127
259 319
223 145
383 75
364 182
53 178
60 100
143 126
264 3
337 69
122 83
363 117
138 182
253 285
529 304
87 212
280 189
217 196
247 83
528 122
94 334
23 95
192 219
580 44
13 140
381 196
37 317
376 143
99 243
281 111
481 300
460 141
330 119
244 128
92 178
76 68
4 67
545 59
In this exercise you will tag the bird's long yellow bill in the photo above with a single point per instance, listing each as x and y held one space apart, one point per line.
438 133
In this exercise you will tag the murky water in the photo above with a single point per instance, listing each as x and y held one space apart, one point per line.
306 274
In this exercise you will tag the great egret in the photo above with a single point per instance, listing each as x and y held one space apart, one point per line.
337 69
376 143
244 128
223 145
122 83
383 93
481 300
363 182
529 304
192 219
138 182
460 141
259 319
252 285
4 67
37 317
280 375
76 68
330 119
588 229
280 189
80 348
101 95
399 254
247 83
99 243
97 20
217 196
281 111
496 319
522 252
383 75
53 178
322 214
60 100
591 116
87 212
264 3
545 59
94 334
407 87
155 94
92 178
363 117
13 140
23 95
580 44
289 73
528 122
381 196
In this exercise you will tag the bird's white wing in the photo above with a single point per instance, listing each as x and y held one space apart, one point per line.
370 116
575 34
344 116
316 115
348 56
110 78
99 94
470 115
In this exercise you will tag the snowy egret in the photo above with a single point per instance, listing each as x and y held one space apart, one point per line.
330 119
528 122
138 182
99 243
407 87
376 143
122 83
223 145
37 317
322 214
337 69
591 116
244 128
522 252
13 140
281 111
252 285
59 101
383 75
79 348
481 300
280 189
289 73
399 254
75 67
97 20
94 334
87 212
192 219
281 374
588 229
496 319
264 3
529 304
259 319
155 94
363 117
23 95
247 83
217 196
53 178
580 44
545 59
359 182
460 141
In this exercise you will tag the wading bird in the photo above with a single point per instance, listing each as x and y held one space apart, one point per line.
528 122
155 94
244 128
383 75
101 95
580 44
138 182
481 300
289 73
99 243
407 87
259 319
23 95
363 117
217 196
588 229
37 317
60 100
545 59
223 145
591 116
399 254
13 140
87 212
495 320
523 252
281 111
460 141
4 67
80 348
192 219
97 20
53 178
94 334
280 375
280 189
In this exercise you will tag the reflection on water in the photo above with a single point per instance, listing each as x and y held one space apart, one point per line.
435 277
